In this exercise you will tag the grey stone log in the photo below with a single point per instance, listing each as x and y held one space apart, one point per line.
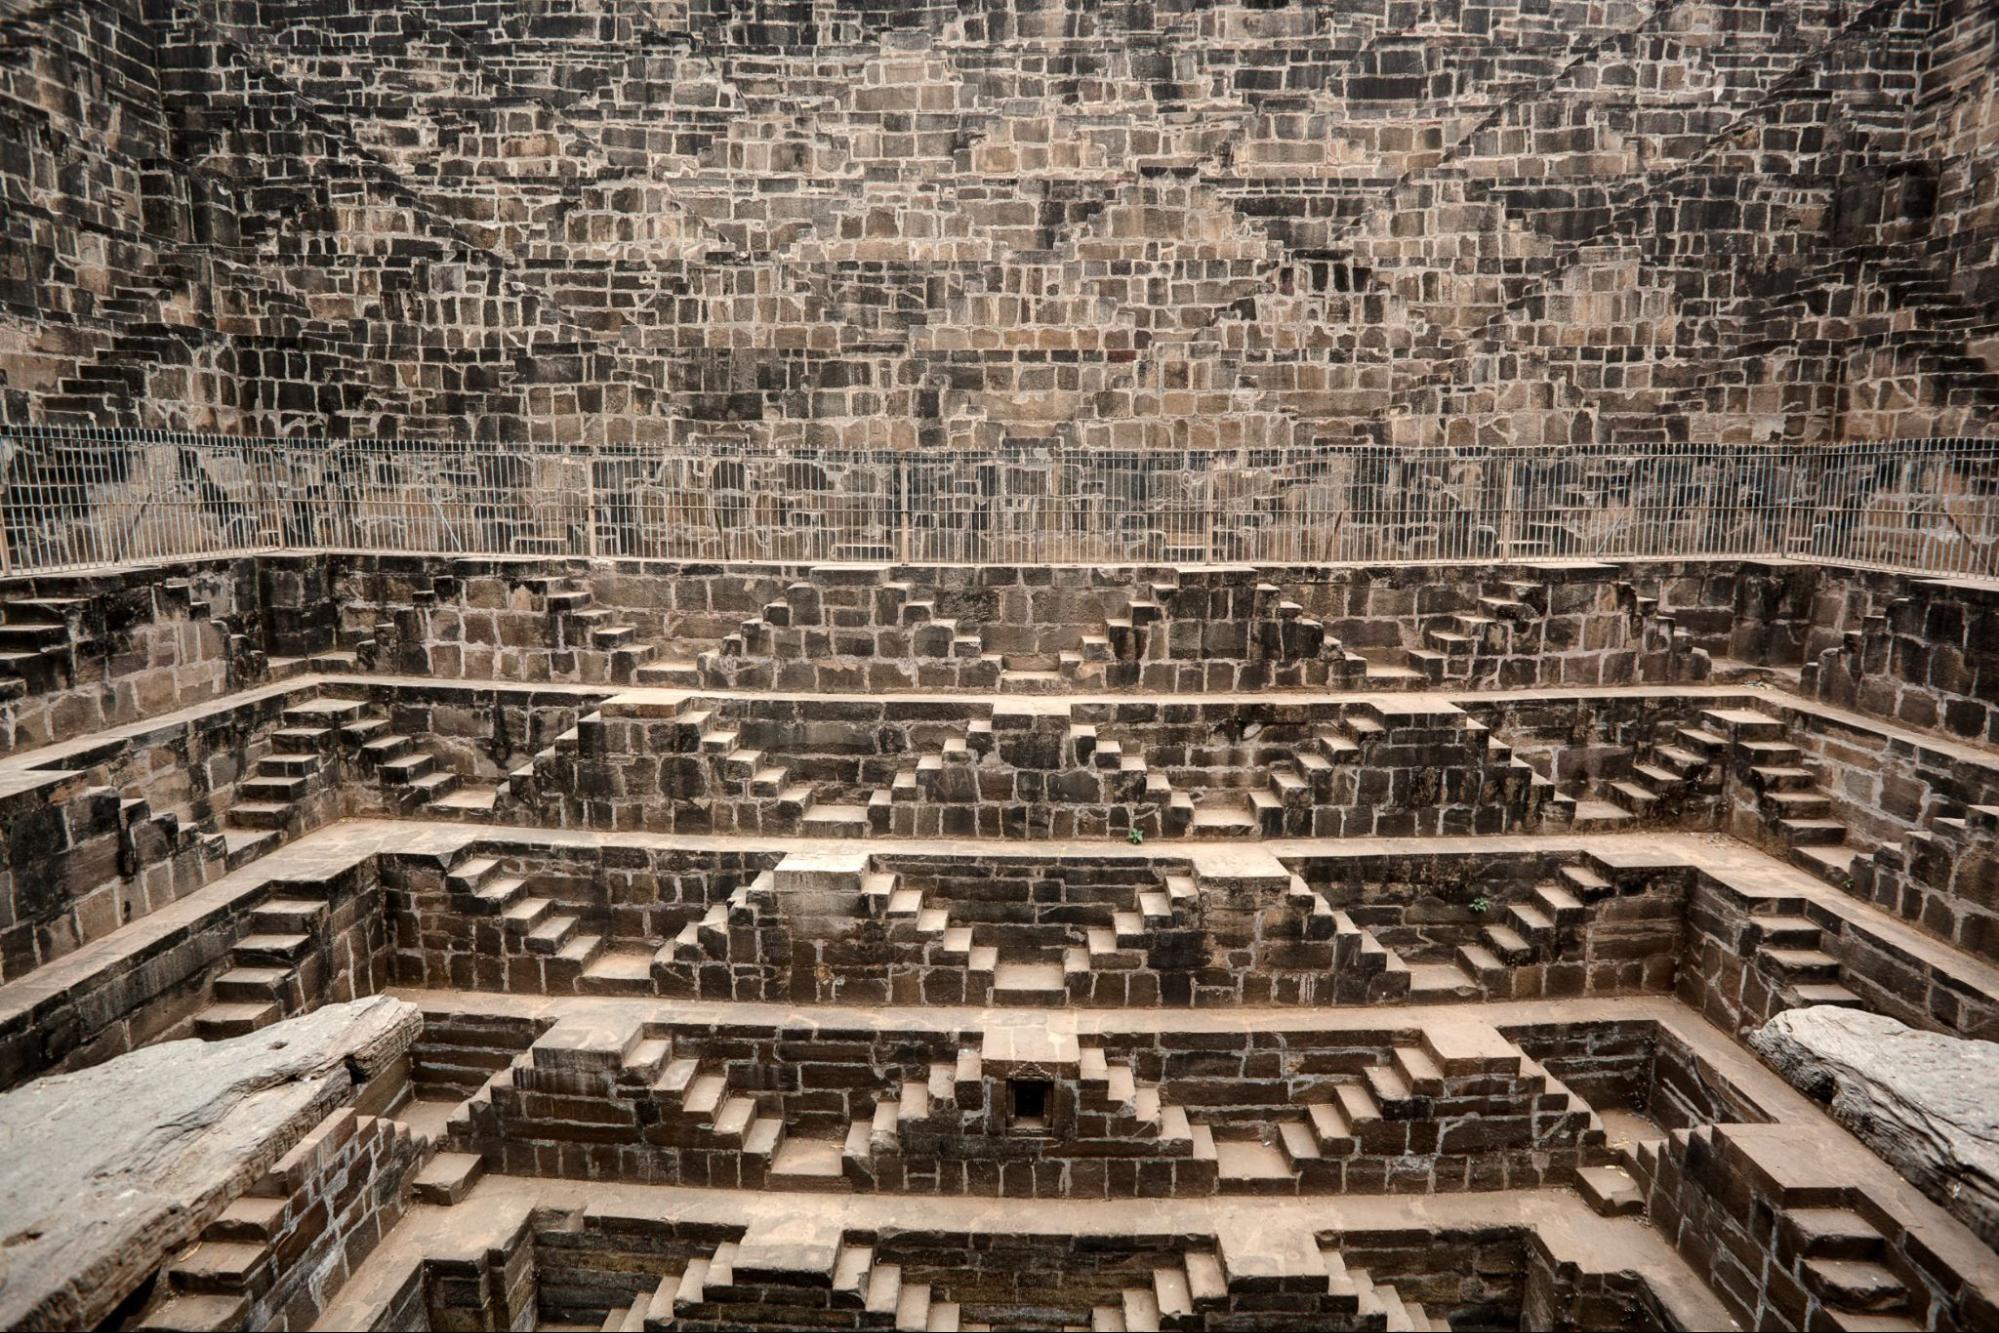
107 1171
1927 1103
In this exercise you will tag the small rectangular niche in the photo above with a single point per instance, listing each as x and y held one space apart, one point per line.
1028 1104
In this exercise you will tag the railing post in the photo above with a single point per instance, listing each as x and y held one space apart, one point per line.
902 507
6 538
590 501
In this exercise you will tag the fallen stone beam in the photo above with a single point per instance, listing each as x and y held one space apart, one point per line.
107 1171
1926 1103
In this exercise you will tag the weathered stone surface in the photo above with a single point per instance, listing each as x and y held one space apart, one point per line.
1927 1103
673 250
108 1170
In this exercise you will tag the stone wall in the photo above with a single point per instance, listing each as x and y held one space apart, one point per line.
85 652
1923 652
1039 629
1765 1224
1451 1108
107 833
104 650
191 973
310 1221
1211 225
1751 956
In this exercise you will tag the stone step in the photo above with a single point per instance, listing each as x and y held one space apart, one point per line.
265 815
1800 964
1140 1309
243 985
1610 1190
1831 1233
551 934
287 916
1832 862
1789 932
1681 762
527 913
1508 944
1585 883
1598 816
190 1311
272 789
448 1177
1657 780
270 949
1562 906
1858 1285
1251 1166
1801 804
1811 832
223 1020
834 821
1821 992
242 846
220 1267
1782 778
302 741
466 800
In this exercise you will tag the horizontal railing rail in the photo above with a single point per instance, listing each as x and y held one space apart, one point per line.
77 499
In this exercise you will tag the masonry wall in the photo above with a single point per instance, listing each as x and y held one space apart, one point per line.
91 651
1739 1202
1916 650
158 987
1729 976
671 246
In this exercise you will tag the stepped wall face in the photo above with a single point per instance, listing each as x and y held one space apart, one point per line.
761 928
914 226
958 664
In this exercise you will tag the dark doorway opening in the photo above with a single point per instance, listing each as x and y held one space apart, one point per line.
1030 1098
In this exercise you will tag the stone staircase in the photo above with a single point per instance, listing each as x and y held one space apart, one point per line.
695 1094
941 944
1792 813
959 1111
253 1243
1365 971
530 924
964 785
594 632
1789 949
843 627
270 805
1841 1260
1681 772
620 1067
41 640
407 776
862 1291
1667 652
1165 638
1822 1243
765 796
1446 1073
576 638
1455 643
262 983
1186 1292
1527 932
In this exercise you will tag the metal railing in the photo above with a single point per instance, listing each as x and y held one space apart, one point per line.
78 499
